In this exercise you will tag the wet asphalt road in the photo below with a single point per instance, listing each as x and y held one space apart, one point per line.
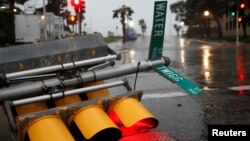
216 67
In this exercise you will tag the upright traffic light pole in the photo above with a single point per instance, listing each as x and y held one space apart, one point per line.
79 21
237 23
45 21
79 6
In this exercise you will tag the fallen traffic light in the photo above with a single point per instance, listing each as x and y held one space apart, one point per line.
132 117
95 124
49 128
46 128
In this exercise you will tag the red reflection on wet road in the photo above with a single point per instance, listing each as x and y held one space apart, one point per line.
150 136
141 126
241 68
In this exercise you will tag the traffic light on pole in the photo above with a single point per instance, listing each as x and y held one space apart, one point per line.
239 19
76 3
233 10
79 5
232 13
242 7
83 6
72 19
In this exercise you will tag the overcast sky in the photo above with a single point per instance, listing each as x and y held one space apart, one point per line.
99 15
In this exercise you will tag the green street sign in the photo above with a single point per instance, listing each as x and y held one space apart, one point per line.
158 30
156 49
181 81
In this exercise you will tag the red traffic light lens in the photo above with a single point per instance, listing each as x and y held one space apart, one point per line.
76 2
131 116
242 5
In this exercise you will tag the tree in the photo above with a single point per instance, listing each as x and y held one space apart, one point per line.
12 3
179 9
217 8
191 11
124 12
56 6
143 26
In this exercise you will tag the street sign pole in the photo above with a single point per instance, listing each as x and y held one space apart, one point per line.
157 35
237 23
156 49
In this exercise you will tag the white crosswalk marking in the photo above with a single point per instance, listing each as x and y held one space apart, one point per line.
243 87
164 95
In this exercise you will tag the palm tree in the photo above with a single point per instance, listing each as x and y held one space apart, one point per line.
177 29
143 26
12 3
124 12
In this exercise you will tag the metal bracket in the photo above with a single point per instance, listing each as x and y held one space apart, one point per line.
3 80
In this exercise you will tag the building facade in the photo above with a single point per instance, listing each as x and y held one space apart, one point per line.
228 25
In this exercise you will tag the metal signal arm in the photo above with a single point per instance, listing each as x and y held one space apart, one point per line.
37 88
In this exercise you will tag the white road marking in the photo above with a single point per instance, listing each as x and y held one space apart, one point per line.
164 95
243 87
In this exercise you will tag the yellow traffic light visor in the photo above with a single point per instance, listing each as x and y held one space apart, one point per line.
95 124
132 117
49 128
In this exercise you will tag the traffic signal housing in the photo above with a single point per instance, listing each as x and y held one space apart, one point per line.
95 124
242 8
49 128
132 117
72 19
242 5
233 10
232 13
79 5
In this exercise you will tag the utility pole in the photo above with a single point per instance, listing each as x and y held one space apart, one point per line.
237 23
79 6
45 21
79 21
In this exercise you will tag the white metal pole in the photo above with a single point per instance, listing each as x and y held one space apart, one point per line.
68 93
45 21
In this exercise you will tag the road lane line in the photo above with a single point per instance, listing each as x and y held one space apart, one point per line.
243 87
164 95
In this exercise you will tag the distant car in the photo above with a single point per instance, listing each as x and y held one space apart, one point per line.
131 34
